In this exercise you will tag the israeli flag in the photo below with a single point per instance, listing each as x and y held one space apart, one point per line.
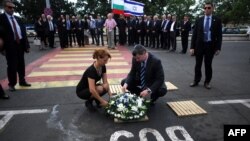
133 8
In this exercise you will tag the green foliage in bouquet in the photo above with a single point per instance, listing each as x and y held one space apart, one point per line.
127 106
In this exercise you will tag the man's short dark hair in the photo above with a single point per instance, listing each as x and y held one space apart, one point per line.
6 1
138 50
209 3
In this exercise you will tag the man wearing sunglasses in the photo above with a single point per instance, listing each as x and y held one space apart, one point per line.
206 42
15 44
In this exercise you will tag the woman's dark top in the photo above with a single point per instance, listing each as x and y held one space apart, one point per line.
92 73
39 29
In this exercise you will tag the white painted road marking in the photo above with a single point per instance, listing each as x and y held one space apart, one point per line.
171 132
9 114
245 102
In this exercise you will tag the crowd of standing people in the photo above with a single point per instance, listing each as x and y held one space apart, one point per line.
150 31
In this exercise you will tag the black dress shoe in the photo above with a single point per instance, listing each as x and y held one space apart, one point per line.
12 88
89 105
194 84
97 103
207 86
24 84
4 96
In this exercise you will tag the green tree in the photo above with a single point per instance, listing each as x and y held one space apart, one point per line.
31 9
230 11
101 7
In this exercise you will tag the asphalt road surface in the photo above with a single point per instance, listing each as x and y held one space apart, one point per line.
49 112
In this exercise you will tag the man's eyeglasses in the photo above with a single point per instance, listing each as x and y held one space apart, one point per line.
207 7
10 7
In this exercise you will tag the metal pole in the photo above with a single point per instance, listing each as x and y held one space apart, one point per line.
47 3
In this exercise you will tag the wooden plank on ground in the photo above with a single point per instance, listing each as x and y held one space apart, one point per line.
186 108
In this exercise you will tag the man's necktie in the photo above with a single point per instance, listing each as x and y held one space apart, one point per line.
51 26
68 25
206 29
142 75
15 30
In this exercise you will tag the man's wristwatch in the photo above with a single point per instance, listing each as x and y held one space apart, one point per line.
149 91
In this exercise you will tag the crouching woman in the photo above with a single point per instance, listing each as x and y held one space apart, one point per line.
94 84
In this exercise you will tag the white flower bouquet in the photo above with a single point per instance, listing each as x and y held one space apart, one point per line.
127 106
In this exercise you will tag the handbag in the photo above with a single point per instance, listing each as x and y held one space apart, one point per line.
37 41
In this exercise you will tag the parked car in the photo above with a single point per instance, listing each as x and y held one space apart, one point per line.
30 30
231 30
244 29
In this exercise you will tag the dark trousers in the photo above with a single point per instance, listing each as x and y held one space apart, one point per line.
93 35
122 36
100 37
162 39
74 36
137 37
80 37
207 54
131 37
136 90
1 90
147 36
51 39
184 43
173 40
167 40
155 38
15 64
69 38
142 35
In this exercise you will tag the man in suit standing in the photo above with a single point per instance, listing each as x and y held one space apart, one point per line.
166 31
155 30
173 33
146 76
15 44
51 31
185 28
206 42
79 31
147 30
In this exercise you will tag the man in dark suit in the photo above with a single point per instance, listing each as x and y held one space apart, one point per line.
185 28
80 31
146 76
155 30
147 30
51 31
206 42
131 30
15 44
166 32
173 33
122 24
3 95
140 30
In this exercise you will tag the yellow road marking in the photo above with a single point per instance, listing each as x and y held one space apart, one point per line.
82 64
82 55
74 72
58 84
81 59
83 51
85 48
171 86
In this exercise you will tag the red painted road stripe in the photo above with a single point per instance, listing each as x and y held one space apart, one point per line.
35 66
